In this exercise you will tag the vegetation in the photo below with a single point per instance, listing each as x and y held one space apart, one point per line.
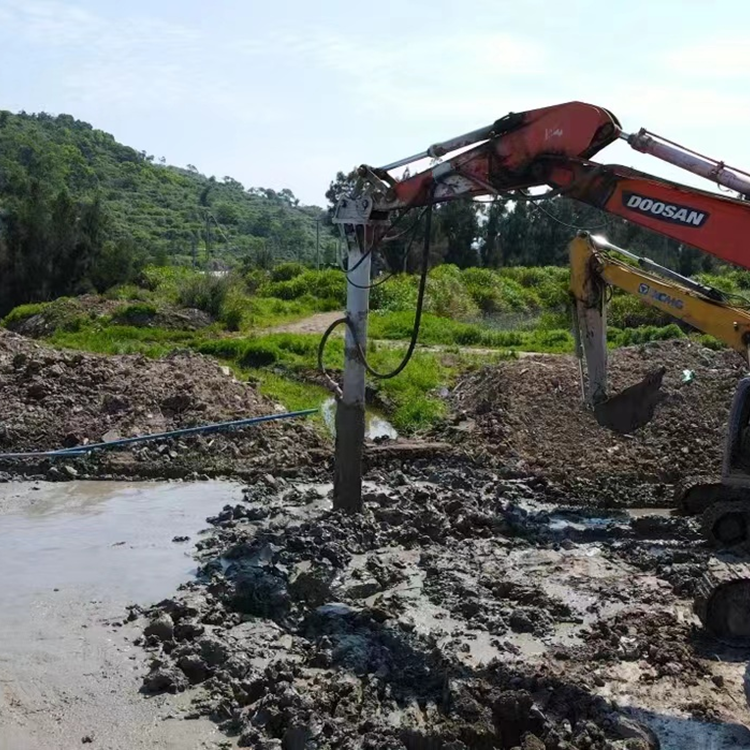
81 213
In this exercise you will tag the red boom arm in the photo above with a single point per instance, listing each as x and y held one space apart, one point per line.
553 146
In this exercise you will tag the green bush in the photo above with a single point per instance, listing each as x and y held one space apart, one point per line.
204 292
447 296
136 314
255 280
22 312
232 316
222 348
398 294
627 311
258 354
287 271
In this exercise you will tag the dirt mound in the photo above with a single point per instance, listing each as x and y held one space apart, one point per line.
529 412
51 399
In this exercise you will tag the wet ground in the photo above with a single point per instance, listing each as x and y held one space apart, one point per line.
74 556
463 608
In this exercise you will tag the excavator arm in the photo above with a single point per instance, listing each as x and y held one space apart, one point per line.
553 147
594 268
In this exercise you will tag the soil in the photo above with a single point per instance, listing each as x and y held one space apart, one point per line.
312 324
528 414
50 399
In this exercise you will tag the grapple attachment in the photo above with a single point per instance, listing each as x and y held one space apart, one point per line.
633 407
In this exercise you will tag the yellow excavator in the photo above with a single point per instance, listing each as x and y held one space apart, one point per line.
722 602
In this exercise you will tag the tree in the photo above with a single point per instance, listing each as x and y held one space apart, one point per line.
457 228
490 248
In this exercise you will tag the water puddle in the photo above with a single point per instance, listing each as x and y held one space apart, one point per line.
641 512
578 520
73 556
376 426
109 540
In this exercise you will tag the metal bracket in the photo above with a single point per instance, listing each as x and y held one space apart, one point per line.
354 211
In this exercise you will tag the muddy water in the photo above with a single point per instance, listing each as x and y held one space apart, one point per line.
376 426
73 555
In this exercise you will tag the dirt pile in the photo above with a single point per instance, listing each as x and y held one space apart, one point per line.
51 399
461 609
529 413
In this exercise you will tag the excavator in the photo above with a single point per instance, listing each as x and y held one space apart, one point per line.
552 147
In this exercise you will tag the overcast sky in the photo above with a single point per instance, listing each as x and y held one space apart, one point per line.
283 93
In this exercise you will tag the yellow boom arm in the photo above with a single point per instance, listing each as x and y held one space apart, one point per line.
593 268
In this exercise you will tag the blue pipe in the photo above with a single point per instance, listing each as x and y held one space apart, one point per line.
216 427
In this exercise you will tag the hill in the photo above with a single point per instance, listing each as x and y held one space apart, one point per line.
167 211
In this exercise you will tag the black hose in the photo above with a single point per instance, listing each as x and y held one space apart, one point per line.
417 320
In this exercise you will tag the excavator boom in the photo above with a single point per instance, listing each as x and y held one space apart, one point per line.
553 146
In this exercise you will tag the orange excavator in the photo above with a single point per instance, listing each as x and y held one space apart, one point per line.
553 147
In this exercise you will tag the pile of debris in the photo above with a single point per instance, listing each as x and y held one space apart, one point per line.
528 412
51 399
431 620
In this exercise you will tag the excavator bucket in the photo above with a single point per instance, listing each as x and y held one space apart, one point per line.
633 407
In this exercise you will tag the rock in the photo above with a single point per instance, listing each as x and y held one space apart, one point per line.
36 391
194 668
213 651
178 539
70 471
187 630
259 589
165 679
161 627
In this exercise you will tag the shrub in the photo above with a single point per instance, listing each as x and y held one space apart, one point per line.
204 292
136 314
22 312
398 294
232 316
223 348
626 311
447 296
259 354
255 280
287 271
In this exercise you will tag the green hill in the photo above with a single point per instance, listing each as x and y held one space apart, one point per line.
163 209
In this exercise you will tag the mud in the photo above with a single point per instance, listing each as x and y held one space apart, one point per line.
461 609
527 413
74 557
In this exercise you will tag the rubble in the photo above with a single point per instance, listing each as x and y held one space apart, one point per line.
449 614
51 399
528 413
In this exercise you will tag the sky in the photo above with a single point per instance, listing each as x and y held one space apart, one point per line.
284 93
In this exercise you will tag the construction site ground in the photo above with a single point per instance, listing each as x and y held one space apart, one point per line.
517 578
